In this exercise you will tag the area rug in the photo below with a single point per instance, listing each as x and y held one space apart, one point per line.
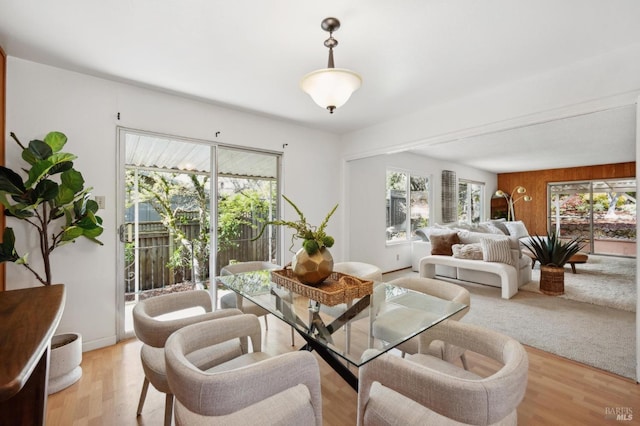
594 335
603 280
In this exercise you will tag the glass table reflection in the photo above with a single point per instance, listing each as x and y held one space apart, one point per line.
350 333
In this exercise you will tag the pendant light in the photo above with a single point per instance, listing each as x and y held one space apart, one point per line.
330 87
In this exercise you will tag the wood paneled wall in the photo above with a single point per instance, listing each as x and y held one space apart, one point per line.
534 213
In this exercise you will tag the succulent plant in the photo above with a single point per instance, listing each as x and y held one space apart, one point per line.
551 251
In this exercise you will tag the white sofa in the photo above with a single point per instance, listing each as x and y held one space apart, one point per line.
509 278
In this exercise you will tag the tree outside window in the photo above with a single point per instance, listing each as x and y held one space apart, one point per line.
407 198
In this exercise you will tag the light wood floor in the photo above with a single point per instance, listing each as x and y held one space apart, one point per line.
559 392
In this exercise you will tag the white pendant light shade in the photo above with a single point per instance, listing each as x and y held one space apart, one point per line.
331 88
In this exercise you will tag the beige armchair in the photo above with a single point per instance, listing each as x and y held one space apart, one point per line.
153 323
234 300
423 389
441 289
250 388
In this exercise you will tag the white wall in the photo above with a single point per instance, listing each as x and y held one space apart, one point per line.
604 81
42 98
366 180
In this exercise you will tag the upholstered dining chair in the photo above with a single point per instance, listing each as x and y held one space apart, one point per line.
361 270
234 300
423 389
249 388
154 320
364 271
433 287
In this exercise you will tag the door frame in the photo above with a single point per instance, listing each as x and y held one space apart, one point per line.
121 333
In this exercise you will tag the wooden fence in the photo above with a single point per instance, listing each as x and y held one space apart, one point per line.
155 248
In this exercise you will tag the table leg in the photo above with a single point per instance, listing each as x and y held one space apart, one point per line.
344 372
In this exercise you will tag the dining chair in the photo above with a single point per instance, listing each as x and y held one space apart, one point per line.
388 330
249 388
364 271
154 320
423 389
234 300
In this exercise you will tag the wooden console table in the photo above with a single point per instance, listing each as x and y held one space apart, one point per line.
28 319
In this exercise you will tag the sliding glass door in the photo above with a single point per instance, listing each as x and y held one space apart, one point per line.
174 193
247 198
602 212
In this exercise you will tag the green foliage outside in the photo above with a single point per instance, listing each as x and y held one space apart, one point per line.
237 210
180 199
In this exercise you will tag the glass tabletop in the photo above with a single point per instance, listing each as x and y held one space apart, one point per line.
356 331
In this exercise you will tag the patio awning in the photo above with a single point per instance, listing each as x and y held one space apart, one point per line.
174 155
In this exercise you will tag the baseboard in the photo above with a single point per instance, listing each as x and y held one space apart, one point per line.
397 270
97 344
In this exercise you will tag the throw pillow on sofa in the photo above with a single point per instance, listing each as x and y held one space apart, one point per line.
426 232
496 251
441 243
499 223
517 229
467 251
489 228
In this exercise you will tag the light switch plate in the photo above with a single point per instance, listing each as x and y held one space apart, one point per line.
100 199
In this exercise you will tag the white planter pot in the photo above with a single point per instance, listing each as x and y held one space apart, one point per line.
64 363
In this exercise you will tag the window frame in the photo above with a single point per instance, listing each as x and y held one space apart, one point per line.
483 186
407 230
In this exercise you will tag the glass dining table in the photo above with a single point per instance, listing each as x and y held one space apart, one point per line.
347 334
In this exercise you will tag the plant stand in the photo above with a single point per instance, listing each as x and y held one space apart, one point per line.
64 365
551 280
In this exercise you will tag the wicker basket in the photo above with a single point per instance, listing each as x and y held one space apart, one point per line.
337 288
551 280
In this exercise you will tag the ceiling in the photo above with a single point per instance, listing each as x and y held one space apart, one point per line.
251 55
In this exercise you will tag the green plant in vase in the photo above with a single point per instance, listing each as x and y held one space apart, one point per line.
312 263
553 254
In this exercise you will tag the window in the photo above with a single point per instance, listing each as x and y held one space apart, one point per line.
470 201
602 212
407 205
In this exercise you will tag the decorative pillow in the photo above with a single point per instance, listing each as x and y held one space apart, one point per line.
517 229
434 230
441 244
467 251
422 233
499 223
465 225
496 251
489 228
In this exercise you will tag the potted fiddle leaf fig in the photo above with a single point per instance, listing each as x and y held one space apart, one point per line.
53 200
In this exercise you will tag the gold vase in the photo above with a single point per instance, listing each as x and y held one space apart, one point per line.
314 269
